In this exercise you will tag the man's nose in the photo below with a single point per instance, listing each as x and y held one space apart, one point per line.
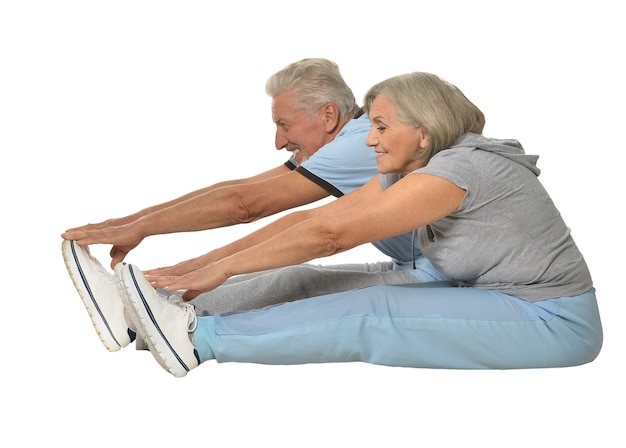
280 141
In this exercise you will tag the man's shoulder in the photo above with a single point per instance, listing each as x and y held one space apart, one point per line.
346 149
357 125
352 135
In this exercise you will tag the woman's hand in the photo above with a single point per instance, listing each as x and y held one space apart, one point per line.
195 281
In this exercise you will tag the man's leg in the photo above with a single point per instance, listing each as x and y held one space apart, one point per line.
98 290
259 290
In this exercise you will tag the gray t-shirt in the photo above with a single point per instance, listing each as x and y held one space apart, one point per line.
507 235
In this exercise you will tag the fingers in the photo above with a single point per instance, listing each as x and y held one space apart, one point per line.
159 281
190 295
109 223
176 270
117 256
124 237
81 232
172 283
83 228
162 272
81 237
86 237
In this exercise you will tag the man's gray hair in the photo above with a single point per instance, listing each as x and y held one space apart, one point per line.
315 83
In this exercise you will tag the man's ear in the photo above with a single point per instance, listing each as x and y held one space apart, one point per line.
331 117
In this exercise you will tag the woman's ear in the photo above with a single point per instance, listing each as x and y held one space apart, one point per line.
424 138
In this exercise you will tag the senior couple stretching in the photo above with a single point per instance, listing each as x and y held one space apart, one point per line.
483 271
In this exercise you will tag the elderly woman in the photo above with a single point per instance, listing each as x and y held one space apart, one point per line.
513 290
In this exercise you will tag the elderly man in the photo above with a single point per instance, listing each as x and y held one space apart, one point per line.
317 119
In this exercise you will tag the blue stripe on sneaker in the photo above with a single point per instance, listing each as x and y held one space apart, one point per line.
152 318
88 288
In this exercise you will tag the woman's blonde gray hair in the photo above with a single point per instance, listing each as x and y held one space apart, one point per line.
424 99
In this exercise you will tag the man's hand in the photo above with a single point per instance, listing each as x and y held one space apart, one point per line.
118 232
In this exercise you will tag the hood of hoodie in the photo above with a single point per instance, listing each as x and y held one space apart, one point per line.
511 149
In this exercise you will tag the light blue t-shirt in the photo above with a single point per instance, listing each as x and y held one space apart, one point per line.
344 164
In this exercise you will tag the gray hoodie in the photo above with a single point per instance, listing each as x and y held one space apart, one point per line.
507 235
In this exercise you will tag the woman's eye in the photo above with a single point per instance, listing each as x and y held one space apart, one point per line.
381 128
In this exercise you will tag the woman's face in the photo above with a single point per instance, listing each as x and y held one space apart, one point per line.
396 144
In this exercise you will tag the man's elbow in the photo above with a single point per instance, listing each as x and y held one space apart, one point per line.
241 214
330 246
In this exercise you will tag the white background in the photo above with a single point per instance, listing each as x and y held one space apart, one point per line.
108 107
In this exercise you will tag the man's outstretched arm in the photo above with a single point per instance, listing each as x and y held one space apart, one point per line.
222 206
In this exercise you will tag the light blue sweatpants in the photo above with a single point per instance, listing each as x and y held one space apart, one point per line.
431 325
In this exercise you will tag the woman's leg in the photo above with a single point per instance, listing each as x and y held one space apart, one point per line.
411 325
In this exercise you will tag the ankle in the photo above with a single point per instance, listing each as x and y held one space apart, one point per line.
203 338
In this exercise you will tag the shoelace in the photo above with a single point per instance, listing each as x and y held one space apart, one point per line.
110 278
192 318
187 308
176 299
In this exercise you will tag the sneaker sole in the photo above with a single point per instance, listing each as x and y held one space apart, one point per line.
99 321
149 329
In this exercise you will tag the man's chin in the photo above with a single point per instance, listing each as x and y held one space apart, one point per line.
300 157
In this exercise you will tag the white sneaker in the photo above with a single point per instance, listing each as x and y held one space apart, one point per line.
167 327
99 291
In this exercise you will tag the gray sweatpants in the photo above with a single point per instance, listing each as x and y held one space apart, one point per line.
266 288
259 290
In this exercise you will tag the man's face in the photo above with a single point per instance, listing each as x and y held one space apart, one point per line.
295 130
